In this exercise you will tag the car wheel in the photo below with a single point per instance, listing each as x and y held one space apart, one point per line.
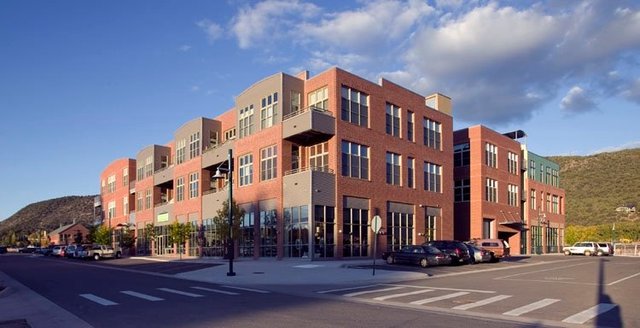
587 253
424 263
390 259
599 253
118 255
567 253
96 257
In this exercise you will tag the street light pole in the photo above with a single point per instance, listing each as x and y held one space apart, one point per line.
231 246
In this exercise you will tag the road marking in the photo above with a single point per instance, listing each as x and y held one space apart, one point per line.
623 279
344 289
216 290
249 289
544 270
439 298
444 288
589 314
142 296
169 290
98 300
531 307
371 291
416 292
481 303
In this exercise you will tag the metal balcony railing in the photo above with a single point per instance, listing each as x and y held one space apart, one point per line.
304 110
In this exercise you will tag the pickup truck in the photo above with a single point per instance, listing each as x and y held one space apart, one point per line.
97 252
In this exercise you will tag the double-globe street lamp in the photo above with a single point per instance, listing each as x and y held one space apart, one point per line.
217 176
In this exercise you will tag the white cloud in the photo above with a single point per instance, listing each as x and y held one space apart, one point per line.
628 145
184 48
213 30
632 92
577 100
195 88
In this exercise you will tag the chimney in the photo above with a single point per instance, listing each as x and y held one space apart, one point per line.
74 221
440 103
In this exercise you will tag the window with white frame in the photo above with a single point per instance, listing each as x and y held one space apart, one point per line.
111 210
462 190
148 167
393 169
246 170
410 126
411 172
139 201
461 155
555 208
268 163
230 134
295 101
125 177
355 160
354 106
554 176
491 155
269 110
432 177
432 133
246 121
512 195
125 205
393 120
319 98
194 145
512 163
180 189
532 169
319 156
181 146
193 184
533 199
491 190
548 202
140 173
147 199
111 183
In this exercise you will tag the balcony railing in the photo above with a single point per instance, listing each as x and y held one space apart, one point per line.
312 168
304 110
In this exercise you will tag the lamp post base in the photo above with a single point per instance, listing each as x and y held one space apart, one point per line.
231 274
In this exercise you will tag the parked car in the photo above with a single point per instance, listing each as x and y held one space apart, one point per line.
73 251
605 249
28 249
586 248
46 251
3 249
58 250
499 247
479 255
98 252
455 249
422 255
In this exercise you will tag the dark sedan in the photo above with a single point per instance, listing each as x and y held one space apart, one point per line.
423 255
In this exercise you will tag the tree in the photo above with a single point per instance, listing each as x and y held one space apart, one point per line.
102 235
179 233
149 235
221 220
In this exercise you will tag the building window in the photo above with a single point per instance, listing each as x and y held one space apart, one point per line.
148 167
432 177
548 176
295 101
125 205
429 227
548 202
411 172
246 121
147 199
180 189
268 163
193 184
555 208
355 160
111 183
139 201
491 155
111 210
319 98
295 157
393 120
554 177
355 107
486 228
324 231
230 134
512 195
432 133
246 170
269 111
533 199
393 169
319 156
410 126
125 177
296 229
532 169
541 173
139 173
462 190
491 191
181 146
246 240
268 233
354 232
512 163
399 230
194 145
461 155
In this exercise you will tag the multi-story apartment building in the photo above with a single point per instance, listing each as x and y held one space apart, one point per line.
314 160
491 187
116 193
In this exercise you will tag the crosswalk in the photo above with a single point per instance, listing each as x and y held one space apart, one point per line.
162 293
477 300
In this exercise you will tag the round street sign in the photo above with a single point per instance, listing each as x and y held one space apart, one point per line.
376 223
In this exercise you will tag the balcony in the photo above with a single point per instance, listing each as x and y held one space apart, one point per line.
308 126
217 154
163 175
212 201
163 208
315 185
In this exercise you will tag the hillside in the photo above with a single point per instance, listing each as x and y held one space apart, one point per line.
49 215
598 184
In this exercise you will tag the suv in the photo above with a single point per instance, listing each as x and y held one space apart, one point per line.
499 247
455 249
605 249
586 248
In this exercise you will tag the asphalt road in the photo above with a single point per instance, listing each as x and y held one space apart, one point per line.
106 295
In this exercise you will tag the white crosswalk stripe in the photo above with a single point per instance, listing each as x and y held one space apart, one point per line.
344 289
371 291
439 298
415 292
215 290
179 292
249 289
481 302
142 296
99 300
590 313
531 307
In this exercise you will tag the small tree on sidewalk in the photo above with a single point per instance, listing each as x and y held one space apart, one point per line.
150 235
221 221
179 233
102 235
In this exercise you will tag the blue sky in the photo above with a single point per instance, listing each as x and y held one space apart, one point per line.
77 78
